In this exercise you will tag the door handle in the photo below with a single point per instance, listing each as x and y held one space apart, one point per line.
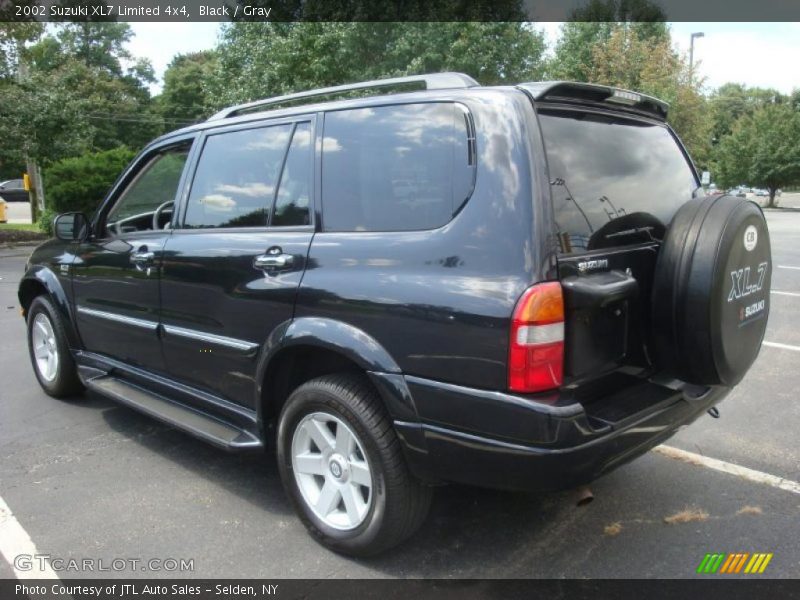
142 257
273 261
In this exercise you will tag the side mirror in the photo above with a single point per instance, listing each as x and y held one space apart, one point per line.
71 227
705 178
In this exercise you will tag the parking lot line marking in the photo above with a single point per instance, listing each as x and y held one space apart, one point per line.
732 469
795 294
788 267
14 541
783 346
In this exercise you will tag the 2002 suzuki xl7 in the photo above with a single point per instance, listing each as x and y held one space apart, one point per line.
517 287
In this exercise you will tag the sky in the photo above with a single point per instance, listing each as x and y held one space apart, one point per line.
756 54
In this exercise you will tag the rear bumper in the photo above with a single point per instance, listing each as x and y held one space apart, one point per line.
502 441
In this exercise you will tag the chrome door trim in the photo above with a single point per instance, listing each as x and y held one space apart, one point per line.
211 338
101 314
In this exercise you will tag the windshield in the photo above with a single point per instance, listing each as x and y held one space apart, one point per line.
614 180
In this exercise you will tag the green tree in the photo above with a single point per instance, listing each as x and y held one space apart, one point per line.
651 66
80 183
372 11
100 45
13 37
41 120
763 150
257 60
732 101
185 95
592 25
83 63
72 91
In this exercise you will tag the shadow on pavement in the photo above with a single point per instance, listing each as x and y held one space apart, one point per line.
483 527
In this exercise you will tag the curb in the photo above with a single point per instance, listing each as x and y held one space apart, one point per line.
25 244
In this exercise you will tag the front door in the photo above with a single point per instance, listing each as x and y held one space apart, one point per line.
232 268
116 273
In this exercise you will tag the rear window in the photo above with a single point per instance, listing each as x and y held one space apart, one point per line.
395 168
613 180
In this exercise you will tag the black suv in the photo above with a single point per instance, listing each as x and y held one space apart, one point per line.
518 287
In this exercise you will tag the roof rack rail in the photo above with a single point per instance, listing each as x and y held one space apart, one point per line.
432 81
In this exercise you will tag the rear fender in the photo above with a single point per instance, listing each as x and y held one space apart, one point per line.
364 351
349 342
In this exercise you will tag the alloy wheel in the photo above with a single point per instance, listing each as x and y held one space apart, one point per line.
332 470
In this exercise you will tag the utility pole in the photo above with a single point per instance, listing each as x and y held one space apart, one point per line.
692 38
36 192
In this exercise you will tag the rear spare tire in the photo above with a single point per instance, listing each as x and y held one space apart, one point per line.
711 291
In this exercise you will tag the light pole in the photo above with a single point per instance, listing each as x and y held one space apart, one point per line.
695 35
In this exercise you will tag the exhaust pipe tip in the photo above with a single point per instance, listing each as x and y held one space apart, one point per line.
584 496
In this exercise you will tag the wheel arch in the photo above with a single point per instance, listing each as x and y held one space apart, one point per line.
42 280
303 349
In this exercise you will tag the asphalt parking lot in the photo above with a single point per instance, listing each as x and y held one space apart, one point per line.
86 478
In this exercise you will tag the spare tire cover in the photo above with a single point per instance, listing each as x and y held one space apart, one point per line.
711 291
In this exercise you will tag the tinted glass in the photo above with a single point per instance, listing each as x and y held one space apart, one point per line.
234 185
154 185
613 180
294 191
393 168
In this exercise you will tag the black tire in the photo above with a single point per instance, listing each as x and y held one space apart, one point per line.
399 503
710 298
65 383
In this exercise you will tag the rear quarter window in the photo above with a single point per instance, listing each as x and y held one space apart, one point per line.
613 180
395 168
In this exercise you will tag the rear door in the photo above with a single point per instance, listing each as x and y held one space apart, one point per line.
616 181
232 267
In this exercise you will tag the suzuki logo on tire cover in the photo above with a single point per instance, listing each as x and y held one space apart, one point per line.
750 238
740 282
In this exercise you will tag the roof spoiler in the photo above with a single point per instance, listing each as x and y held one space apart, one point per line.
583 93
433 81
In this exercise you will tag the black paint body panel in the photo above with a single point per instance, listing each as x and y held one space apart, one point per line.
425 314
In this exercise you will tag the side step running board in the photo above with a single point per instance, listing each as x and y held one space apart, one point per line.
180 416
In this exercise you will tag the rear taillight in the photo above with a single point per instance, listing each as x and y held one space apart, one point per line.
536 351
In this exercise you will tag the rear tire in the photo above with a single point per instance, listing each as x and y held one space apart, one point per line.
48 347
390 504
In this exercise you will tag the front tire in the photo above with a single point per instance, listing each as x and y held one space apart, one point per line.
49 350
343 468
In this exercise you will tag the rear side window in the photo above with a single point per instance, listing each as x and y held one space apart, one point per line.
236 178
395 168
613 180
294 192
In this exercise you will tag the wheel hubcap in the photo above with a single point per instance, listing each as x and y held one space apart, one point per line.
331 470
45 350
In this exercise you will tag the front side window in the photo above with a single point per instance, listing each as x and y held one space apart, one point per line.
154 186
395 168
236 178
613 180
